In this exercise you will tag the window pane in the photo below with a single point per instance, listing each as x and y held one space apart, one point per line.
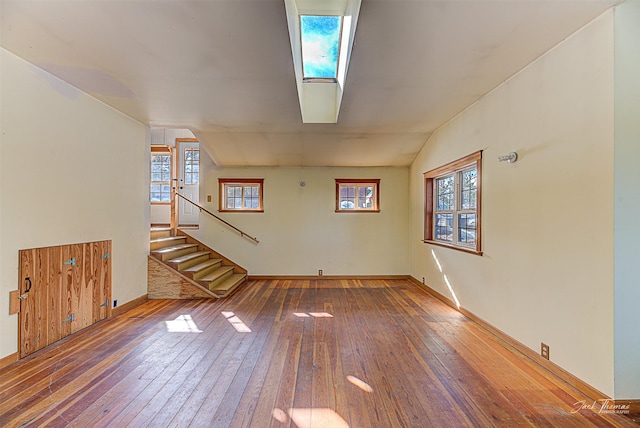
444 227
469 189
467 228
445 192
365 196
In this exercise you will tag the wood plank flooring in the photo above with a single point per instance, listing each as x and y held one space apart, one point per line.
290 353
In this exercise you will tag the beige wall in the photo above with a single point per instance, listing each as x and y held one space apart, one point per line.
300 232
72 170
547 270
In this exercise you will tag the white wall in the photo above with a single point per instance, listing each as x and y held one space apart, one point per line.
72 170
547 270
627 201
300 232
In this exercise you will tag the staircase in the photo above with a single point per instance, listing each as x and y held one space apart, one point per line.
182 267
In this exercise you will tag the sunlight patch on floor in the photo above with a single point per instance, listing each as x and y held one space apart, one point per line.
316 417
360 383
236 322
182 324
313 314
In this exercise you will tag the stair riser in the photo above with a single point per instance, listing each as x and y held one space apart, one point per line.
157 234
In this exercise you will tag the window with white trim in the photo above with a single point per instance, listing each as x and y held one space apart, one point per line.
161 161
240 194
452 206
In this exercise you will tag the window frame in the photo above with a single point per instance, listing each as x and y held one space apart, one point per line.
161 150
244 182
455 169
358 182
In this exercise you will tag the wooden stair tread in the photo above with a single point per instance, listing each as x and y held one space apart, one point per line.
167 241
229 284
202 265
216 274
188 257
165 250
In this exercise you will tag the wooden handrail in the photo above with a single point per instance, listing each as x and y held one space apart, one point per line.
243 234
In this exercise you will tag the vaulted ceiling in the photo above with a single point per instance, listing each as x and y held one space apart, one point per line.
224 68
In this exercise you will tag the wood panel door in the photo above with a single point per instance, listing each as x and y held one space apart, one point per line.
33 317
63 290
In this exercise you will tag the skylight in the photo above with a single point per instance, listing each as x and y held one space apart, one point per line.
320 37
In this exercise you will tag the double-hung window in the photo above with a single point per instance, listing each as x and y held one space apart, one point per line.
452 206
240 194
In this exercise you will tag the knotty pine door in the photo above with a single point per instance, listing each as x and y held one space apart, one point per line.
63 289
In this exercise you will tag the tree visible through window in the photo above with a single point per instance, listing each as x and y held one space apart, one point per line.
240 194
452 207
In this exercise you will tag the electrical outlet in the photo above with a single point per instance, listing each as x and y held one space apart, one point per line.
320 272
423 280
544 350
115 303
208 198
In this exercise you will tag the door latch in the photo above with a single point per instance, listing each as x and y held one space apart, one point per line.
23 296
71 262
105 304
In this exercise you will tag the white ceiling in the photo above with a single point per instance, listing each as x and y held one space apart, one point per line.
223 68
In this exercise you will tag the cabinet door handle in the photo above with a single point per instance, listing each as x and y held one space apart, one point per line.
28 284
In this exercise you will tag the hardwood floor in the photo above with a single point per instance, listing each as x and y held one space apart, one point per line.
298 353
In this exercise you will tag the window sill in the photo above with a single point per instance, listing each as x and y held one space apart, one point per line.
240 211
357 211
160 203
453 247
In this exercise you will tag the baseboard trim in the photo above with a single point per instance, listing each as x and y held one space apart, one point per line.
9 359
129 305
356 277
578 384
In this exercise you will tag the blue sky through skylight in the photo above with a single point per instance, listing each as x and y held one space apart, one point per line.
320 45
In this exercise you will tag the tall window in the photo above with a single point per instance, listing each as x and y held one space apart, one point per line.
452 206
357 195
191 165
160 176
240 194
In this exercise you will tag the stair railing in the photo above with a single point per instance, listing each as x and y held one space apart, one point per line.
242 233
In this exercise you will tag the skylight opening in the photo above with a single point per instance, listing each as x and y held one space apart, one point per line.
320 36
